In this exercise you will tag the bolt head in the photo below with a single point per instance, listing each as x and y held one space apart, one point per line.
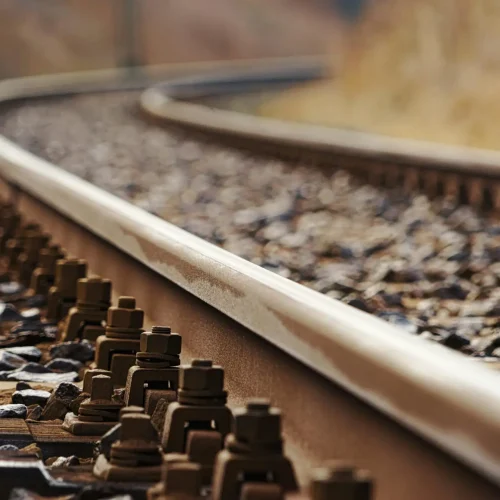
94 290
198 378
183 478
137 427
161 343
90 374
125 318
257 423
101 388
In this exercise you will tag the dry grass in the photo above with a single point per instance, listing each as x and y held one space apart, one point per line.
426 69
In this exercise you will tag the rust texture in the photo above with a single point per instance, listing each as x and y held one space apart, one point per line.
86 320
136 456
199 422
116 350
43 276
98 413
62 296
254 452
179 480
155 367
405 466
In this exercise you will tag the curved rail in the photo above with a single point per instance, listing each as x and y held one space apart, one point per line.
414 382
375 155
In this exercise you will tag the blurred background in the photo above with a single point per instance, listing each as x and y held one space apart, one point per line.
50 36
421 69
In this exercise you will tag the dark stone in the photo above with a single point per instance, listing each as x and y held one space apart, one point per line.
392 299
13 411
29 353
8 447
413 226
30 397
60 401
398 319
64 365
359 304
8 312
494 310
460 256
34 368
80 351
451 291
35 413
9 361
377 248
408 275
455 341
108 439
21 386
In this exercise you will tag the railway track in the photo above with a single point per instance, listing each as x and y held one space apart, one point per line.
335 372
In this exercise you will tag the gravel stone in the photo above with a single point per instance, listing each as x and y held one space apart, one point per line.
29 353
64 365
9 361
13 411
60 401
79 351
31 397
419 264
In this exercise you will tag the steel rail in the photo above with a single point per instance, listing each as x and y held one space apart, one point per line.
278 338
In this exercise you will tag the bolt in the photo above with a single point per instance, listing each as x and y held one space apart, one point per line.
161 343
101 388
94 290
126 302
125 315
183 478
68 272
34 243
48 257
137 427
341 480
90 374
202 375
257 423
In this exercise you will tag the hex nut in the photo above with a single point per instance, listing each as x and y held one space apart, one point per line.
101 388
94 289
257 423
125 318
137 427
201 375
182 477
90 374
161 343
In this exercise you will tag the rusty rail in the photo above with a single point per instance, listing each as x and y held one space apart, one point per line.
345 380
